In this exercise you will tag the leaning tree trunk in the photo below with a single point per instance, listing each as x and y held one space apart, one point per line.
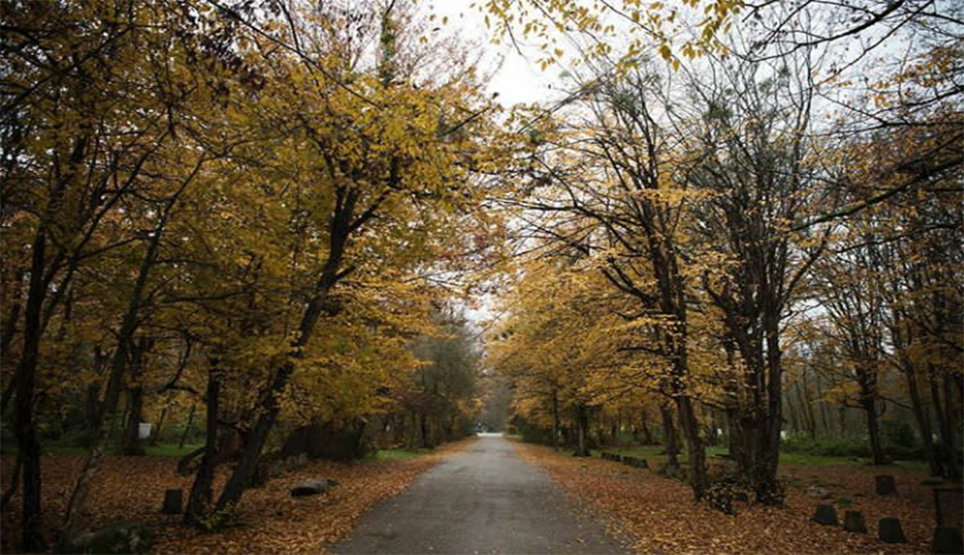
202 492
31 538
125 337
269 405
156 434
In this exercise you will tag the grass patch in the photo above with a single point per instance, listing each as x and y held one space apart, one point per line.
818 460
655 454
64 449
395 454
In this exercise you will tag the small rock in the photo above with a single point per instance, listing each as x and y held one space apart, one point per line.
825 515
885 485
890 531
818 492
172 502
314 486
854 522
301 460
947 539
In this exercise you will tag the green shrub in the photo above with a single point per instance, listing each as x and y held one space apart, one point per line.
897 440
826 447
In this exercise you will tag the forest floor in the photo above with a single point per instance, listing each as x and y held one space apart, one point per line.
269 520
659 513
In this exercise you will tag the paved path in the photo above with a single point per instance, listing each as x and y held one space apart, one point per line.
482 500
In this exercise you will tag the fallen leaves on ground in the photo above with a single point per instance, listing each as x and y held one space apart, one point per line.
660 516
268 520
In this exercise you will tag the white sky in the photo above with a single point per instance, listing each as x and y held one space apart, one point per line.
517 79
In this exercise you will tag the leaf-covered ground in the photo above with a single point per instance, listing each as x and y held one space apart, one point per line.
660 517
268 520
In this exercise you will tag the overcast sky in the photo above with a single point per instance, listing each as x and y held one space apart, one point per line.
517 78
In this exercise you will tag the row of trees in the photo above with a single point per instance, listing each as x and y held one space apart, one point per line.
243 207
706 235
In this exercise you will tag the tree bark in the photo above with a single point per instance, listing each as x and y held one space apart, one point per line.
156 432
670 442
647 433
582 429
555 419
188 426
199 501
873 431
24 429
946 433
131 445
125 336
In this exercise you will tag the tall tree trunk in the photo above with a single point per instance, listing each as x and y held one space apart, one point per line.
131 445
670 441
952 414
768 489
423 430
941 410
808 407
647 433
873 430
125 337
25 376
796 423
902 338
10 326
202 492
694 446
922 416
555 419
156 432
825 417
582 428
188 426
867 378
341 227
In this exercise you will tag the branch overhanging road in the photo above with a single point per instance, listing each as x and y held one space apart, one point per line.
482 500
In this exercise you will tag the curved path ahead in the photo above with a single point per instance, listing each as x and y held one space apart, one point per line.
482 500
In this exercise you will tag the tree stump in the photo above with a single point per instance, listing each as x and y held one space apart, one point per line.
947 539
854 522
885 485
172 502
825 515
890 531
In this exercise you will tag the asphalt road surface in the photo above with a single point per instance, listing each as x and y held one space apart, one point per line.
482 500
